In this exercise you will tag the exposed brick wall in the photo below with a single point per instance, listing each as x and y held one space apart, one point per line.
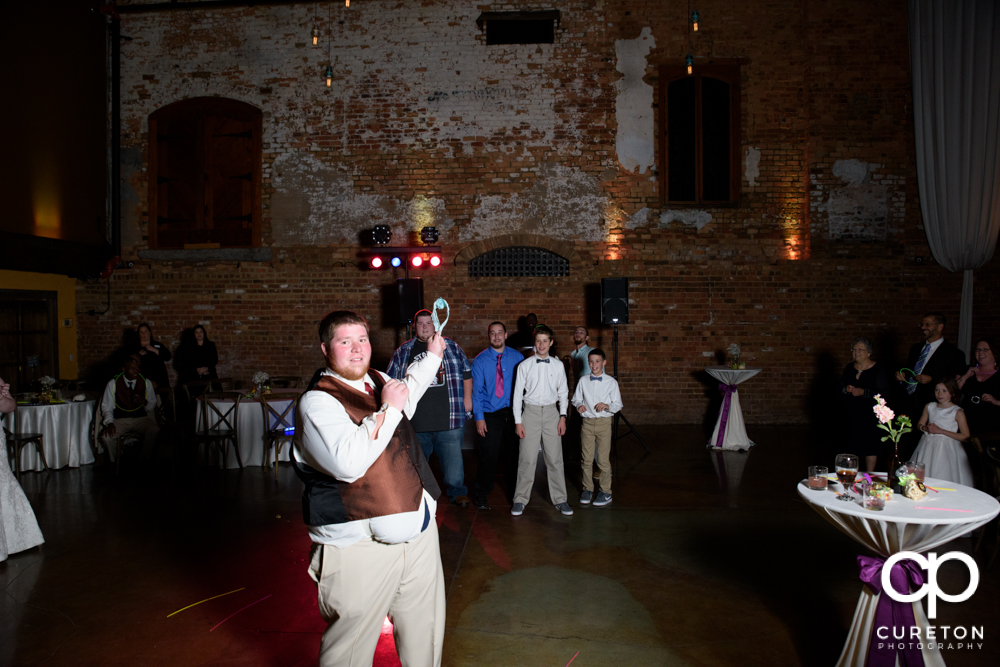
425 124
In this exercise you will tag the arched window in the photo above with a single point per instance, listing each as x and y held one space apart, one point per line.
518 261
204 174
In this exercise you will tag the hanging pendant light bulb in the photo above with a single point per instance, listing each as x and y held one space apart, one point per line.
695 19
347 3
329 76
689 61
315 34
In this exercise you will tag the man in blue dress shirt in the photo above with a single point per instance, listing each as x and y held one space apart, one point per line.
492 380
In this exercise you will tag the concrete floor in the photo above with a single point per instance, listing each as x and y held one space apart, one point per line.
679 570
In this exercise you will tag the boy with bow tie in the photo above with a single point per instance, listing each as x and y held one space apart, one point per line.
539 406
597 399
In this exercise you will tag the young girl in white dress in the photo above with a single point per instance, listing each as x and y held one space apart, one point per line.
18 528
945 429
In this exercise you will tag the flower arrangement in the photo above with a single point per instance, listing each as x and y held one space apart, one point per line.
260 377
885 416
47 382
734 351
259 380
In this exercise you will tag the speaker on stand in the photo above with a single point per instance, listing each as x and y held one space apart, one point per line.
615 311
411 299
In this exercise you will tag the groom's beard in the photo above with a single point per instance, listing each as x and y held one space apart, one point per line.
351 372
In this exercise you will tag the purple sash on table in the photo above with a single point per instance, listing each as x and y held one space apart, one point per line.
892 614
728 390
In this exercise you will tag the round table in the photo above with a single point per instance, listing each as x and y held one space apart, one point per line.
250 428
65 429
730 420
902 526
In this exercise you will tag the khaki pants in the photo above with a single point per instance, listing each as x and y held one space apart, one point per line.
596 430
361 584
540 422
140 428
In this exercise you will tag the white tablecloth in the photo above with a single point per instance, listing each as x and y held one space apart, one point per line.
735 436
899 527
250 430
65 429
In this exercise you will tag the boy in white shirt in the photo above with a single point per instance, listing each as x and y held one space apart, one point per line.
540 400
597 399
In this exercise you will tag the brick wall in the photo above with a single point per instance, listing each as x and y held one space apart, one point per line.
426 125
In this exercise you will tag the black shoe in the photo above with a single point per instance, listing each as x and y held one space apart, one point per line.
482 505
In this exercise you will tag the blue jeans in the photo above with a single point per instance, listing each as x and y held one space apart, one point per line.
448 447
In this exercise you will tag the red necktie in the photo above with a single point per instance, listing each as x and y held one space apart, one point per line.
498 390
370 390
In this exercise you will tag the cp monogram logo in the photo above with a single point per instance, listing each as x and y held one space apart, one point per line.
931 588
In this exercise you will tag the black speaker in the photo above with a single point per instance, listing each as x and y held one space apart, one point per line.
614 300
411 298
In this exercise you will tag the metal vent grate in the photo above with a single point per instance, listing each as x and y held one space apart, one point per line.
518 261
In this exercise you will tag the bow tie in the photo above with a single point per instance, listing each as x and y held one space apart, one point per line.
542 361
596 379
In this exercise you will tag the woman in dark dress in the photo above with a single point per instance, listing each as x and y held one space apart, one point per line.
981 387
197 358
863 378
154 357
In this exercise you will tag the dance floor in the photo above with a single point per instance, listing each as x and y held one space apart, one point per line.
199 566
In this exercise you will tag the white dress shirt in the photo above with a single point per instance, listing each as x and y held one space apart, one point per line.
540 383
590 391
329 441
108 402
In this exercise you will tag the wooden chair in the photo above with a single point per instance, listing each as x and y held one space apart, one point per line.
285 381
18 441
219 422
279 427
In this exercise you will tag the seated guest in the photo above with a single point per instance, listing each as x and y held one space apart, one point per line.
153 356
945 429
981 387
127 409
860 382
196 357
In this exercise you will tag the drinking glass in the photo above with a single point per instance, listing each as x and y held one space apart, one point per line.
846 466
873 502
817 478
916 468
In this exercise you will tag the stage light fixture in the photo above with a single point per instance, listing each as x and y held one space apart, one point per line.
376 262
396 261
381 234
417 261
429 235
435 260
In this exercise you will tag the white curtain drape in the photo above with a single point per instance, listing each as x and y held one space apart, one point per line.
955 62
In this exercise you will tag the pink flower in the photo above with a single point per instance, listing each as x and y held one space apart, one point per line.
884 413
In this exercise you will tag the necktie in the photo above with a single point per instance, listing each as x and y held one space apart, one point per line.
370 390
919 366
542 361
498 389
595 379
131 385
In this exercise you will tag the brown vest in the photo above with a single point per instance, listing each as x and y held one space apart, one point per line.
393 484
130 403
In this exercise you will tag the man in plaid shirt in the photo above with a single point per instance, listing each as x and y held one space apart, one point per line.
443 410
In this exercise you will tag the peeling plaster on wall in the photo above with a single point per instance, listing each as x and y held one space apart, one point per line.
697 218
752 165
860 209
638 219
564 203
447 86
314 204
852 172
634 104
